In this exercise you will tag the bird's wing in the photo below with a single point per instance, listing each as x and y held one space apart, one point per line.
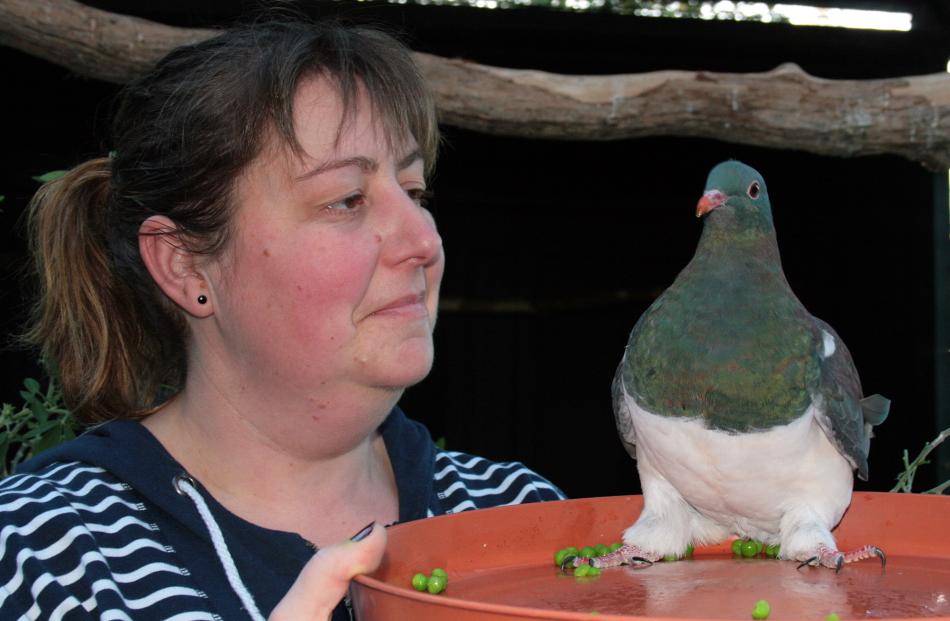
622 416
845 416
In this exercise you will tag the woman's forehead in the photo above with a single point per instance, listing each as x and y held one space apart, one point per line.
326 127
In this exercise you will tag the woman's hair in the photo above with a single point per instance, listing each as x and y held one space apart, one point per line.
182 135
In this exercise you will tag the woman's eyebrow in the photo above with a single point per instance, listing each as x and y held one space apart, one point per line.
363 163
409 159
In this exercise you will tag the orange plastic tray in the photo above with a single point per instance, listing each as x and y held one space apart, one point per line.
500 566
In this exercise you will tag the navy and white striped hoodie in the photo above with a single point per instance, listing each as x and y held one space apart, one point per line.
96 528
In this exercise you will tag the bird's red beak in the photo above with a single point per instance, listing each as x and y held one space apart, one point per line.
710 200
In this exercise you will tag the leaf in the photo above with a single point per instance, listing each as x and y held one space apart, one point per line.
32 385
51 438
52 175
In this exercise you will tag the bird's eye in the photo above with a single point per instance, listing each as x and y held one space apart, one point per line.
753 190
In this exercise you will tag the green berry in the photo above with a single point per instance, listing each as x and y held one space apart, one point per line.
563 553
615 546
419 582
749 549
438 571
833 617
601 549
588 551
436 584
761 610
758 546
772 551
593 571
582 570
737 547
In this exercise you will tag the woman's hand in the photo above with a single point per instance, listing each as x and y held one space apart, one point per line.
324 580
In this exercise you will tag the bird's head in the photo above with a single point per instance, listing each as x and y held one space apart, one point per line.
735 197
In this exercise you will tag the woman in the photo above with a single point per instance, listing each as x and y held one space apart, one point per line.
239 295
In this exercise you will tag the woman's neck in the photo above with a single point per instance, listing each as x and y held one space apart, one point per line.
320 473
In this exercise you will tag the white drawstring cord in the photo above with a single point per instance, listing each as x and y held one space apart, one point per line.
186 486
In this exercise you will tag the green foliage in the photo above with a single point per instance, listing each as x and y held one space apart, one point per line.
41 422
50 176
905 480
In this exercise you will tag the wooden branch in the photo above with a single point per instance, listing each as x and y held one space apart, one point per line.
93 43
784 108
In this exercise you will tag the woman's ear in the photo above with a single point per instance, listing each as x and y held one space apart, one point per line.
172 266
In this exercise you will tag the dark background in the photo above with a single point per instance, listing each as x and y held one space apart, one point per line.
554 248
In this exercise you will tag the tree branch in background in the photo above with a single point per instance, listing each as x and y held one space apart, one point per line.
784 108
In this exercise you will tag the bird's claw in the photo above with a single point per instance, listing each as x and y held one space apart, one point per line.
833 559
880 554
638 561
569 562
625 555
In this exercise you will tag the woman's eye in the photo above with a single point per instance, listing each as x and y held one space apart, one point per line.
753 190
421 196
351 202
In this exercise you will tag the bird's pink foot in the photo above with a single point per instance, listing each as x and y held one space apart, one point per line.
833 559
624 555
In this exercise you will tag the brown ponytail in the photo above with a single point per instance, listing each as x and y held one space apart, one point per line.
81 318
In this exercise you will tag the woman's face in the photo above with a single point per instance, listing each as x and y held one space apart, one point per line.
332 275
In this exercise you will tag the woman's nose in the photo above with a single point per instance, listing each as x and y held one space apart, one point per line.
414 236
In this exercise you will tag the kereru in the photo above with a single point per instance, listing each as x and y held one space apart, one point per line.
744 412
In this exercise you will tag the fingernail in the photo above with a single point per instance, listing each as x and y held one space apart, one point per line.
364 532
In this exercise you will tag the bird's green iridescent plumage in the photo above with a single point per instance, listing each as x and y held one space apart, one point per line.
729 341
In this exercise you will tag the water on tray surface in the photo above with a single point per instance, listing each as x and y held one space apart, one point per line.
723 587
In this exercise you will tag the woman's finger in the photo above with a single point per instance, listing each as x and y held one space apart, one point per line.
325 579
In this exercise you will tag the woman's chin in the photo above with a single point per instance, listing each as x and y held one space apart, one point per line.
409 367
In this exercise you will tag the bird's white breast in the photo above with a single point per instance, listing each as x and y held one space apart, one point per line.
744 482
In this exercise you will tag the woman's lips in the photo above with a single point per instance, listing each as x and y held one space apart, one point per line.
409 305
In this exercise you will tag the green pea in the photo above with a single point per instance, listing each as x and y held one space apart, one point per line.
419 582
601 549
833 617
588 551
582 570
615 546
438 571
761 610
689 551
737 547
561 554
758 546
436 584
772 551
593 571
748 549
